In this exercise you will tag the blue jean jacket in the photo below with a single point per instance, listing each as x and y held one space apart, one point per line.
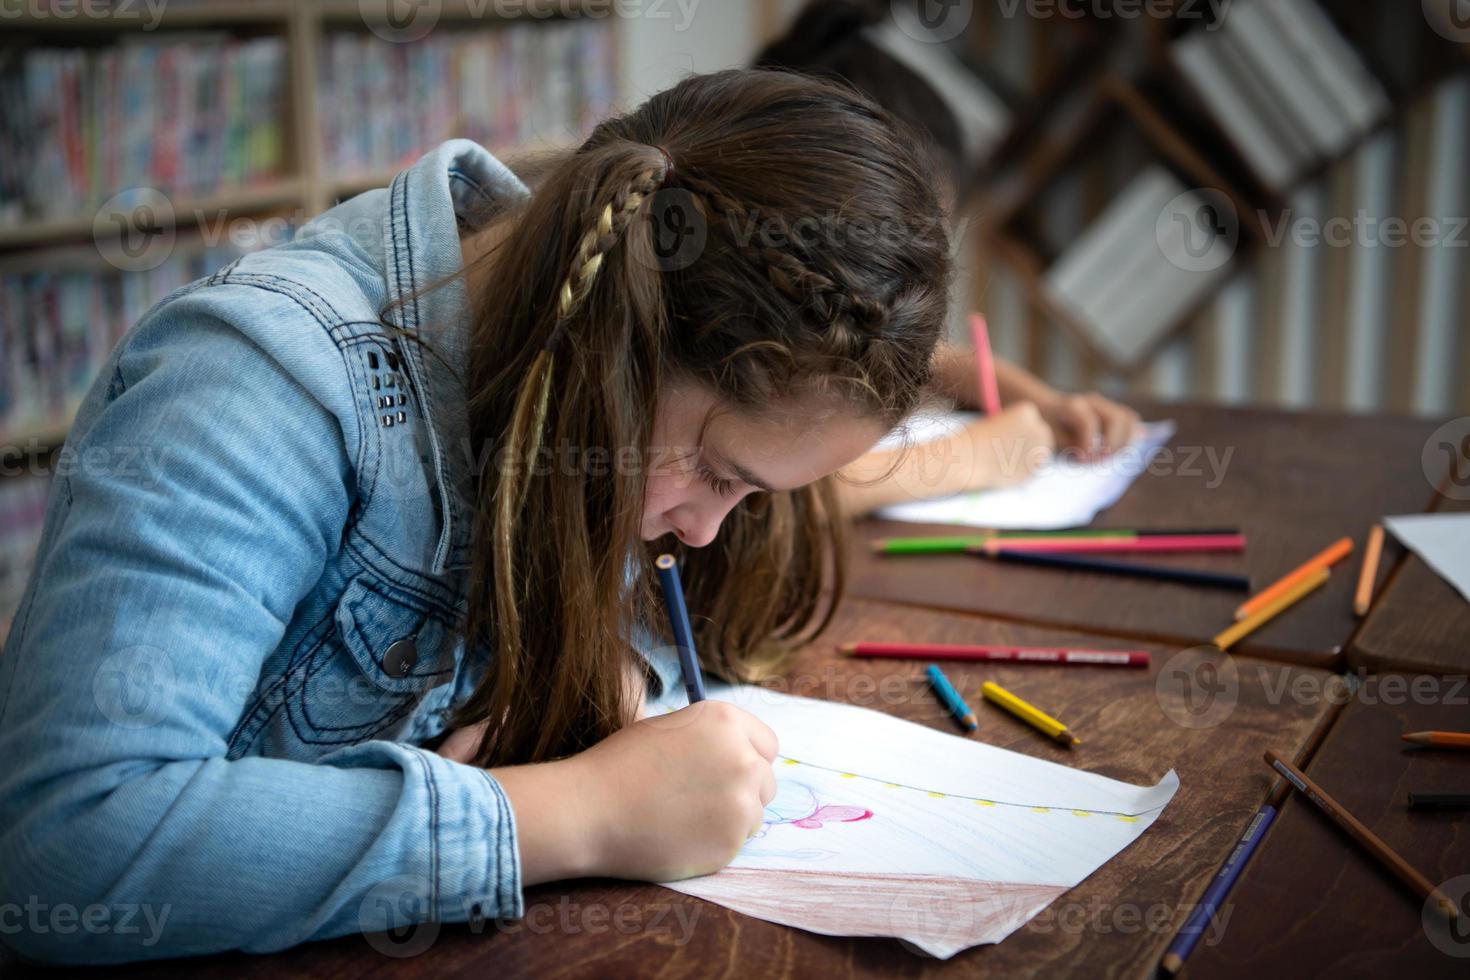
235 639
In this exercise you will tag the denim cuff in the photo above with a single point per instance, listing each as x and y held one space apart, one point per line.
472 861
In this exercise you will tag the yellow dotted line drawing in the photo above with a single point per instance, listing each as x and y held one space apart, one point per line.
936 794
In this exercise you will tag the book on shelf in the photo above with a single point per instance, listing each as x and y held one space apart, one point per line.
188 114
380 105
1152 255
22 514
62 312
1283 84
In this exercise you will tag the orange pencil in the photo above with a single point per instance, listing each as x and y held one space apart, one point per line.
1443 740
984 365
1369 573
1326 558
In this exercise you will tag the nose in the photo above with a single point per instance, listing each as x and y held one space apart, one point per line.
697 526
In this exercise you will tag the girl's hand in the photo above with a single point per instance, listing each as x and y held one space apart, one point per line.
668 797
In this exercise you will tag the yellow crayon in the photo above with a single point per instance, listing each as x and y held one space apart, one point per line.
998 695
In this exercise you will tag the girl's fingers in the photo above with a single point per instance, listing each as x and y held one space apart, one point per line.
768 787
762 738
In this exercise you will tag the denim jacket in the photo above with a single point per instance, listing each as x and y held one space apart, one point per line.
235 640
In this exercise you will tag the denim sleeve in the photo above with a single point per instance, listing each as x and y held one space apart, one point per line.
125 831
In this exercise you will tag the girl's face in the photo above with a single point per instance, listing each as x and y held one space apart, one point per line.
694 482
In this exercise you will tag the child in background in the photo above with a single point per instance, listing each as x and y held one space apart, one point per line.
845 40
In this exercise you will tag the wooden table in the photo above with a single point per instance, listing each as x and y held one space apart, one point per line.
1419 622
1312 903
1115 923
1294 482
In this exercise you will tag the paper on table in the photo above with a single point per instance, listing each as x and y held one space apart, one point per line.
1441 540
1065 493
881 827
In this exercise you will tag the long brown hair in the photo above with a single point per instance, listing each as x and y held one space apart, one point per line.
819 264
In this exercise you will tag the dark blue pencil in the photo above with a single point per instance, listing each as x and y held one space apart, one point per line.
1188 576
1214 896
951 698
668 576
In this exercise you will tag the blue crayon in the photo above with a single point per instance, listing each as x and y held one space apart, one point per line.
668 576
951 698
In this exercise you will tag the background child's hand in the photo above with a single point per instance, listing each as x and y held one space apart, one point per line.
1089 423
1010 446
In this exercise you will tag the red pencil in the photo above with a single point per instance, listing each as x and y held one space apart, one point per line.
1152 542
998 653
984 365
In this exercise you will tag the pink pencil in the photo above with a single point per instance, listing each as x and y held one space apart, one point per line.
1153 542
984 365
990 652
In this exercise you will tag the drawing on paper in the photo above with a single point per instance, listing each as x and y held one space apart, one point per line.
796 803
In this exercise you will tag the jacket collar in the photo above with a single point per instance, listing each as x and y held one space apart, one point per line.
455 186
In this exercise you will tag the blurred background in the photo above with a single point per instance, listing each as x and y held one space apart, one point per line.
1247 202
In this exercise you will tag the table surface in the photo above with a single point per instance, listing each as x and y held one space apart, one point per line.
1312 903
1294 482
1419 622
1116 923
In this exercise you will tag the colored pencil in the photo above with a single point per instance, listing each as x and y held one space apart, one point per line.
1030 714
1368 574
951 697
984 365
668 576
1362 835
1439 801
956 543
1245 627
998 654
1442 740
1220 885
1217 891
1121 544
1186 575
1327 557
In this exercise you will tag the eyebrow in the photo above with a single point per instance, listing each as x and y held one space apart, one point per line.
745 476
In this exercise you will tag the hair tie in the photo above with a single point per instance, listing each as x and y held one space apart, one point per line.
668 164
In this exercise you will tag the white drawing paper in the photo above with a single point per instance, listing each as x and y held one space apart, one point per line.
1067 492
881 827
1442 541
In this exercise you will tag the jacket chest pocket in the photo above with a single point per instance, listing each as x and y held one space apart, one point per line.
386 650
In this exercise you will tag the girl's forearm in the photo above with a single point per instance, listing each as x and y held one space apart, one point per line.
556 829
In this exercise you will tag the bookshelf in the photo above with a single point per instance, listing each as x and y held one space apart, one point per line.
303 180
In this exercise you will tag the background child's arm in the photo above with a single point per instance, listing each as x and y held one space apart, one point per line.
1084 422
